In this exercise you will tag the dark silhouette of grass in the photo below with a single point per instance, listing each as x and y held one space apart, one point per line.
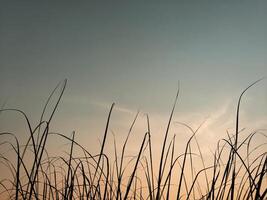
233 174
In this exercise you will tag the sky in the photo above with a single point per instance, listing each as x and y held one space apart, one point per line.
134 53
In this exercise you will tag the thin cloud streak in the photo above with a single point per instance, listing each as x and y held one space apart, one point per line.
119 108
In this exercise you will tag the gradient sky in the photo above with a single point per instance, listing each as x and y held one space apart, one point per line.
134 53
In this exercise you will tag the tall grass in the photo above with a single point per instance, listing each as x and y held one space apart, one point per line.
234 174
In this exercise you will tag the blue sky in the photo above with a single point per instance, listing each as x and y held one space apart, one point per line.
134 54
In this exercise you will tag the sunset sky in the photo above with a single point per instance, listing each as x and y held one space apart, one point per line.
134 54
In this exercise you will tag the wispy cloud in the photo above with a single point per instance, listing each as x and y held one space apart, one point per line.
106 105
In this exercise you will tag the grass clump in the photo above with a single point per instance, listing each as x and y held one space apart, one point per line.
234 174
